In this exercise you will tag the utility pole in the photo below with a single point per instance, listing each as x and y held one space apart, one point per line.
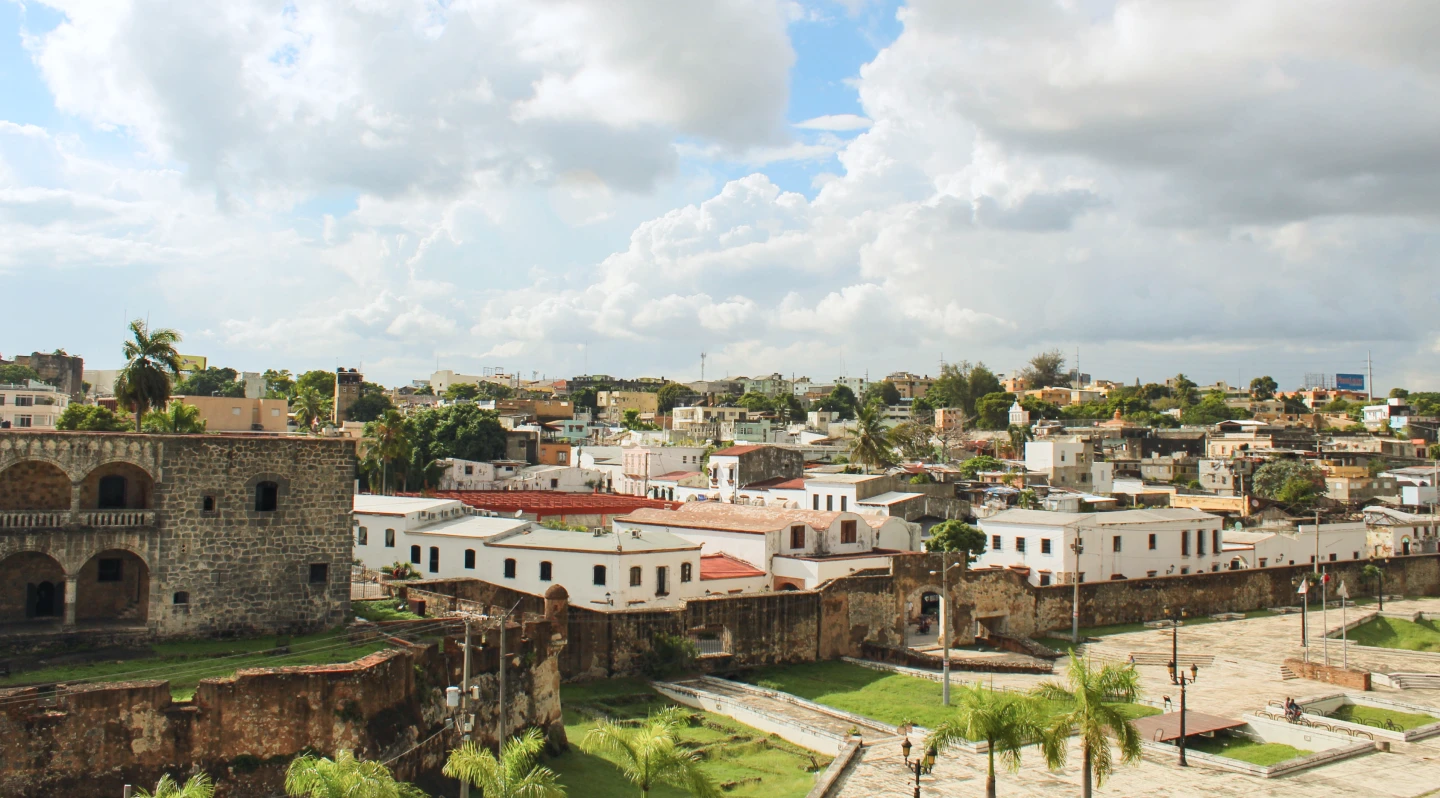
1369 377
504 621
945 625
1325 617
465 701
1077 546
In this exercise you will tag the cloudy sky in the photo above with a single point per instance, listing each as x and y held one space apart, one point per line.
1223 187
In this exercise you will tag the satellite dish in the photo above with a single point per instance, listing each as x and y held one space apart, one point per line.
519 513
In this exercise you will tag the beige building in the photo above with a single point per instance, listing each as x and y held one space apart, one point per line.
613 404
223 414
684 417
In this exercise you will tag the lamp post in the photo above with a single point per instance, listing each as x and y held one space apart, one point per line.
921 765
1078 546
1181 679
945 624
1175 619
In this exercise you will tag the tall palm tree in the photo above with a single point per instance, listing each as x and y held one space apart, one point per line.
871 444
179 418
1019 434
308 407
1089 693
317 777
197 786
649 755
1007 723
151 362
387 440
513 775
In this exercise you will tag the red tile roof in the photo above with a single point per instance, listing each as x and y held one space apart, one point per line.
723 566
677 475
545 503
783 483
735 451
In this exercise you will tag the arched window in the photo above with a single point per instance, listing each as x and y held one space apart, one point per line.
470 559
545 571
509 569
389 538
415 555
111 493
686 570
267 497
362 538
434 560
599 577
635 576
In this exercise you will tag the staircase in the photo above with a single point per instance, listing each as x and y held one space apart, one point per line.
1286 674
1413 681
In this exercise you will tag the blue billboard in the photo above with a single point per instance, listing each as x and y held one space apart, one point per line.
1350 382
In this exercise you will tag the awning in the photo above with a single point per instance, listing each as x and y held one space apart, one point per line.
1164 728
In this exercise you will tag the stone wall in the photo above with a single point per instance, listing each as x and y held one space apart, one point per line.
1345 677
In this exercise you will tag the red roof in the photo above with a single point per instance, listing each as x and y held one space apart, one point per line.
543 503
735 451
782 483
677 475
722 566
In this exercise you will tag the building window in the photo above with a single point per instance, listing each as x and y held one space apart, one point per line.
1020 545
207 504
797 537
635 576
829 502
180 597
434 559
843 499
1264 561
662 580
686 571
1151 574
1152 541
1184 570
389 538
848 533
995 543
1044 545
267 497
598 575
1215 541
469 470
546 571
509 569
319 573
1200 543
1184 543
1044 579
22 421
362 537
1115 543
1357 555
110 493
1333 558
415 555
109 570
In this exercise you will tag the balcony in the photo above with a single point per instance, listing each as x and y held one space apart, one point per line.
20 520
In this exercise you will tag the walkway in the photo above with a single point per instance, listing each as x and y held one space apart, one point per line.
794 709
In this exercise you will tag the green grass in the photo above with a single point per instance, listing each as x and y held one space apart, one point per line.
1398 633
1375 716
1230 747
184 663
744 761
887 697
382 610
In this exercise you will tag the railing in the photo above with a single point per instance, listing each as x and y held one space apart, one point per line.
33 519
55 519
115 518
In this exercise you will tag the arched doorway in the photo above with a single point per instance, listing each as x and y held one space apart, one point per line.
32 588
113 586
34 485
117 486
1405 545
930 604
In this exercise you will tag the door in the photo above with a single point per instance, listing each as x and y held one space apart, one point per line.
42 601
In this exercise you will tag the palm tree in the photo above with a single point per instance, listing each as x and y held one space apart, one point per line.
1006 722
177 419
387 439
871 444
1019 434
317 777
150 363
1092 695
197 786
648 754
514 775
1371 574
307 407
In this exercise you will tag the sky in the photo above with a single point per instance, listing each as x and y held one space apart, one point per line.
1224 188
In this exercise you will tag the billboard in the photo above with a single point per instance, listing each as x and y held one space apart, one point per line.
192 363
1350 382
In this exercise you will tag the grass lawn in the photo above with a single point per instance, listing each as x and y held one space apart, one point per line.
745 762
1230 747
1398 633
888 697
185 663
1374 716
382 610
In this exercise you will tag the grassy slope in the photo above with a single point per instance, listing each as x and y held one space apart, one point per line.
891 698
381 610
755 765
1374 716
1263 754
1398 633
185 663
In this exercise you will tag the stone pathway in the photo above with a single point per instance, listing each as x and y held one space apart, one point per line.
805 716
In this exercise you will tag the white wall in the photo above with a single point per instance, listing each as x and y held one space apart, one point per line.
575 571
1099 562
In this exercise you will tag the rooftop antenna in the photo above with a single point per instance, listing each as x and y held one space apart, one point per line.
702 366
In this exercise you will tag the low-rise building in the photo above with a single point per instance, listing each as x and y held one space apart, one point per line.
1393 532
1227 476
225 414
1177 469
1266 548
909 385
641 463
732 469
34 405
613 404
685 417
1070 462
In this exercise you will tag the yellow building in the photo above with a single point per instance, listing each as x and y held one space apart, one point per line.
223 414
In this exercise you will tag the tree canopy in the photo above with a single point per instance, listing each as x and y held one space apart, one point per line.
841 400
670 395
371 404
961 385
956 535
16 374
992 411
319 380
151 362
211 382
1046 369
1212 410
1263 388
464 431
971 469
1294 483
884 392
93 418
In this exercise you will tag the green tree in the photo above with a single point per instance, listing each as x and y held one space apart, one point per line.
465 431
952 387
632 421
372 403
513 775
648 754
93 418
150 363
954 535
308 407
1094 717
670 395
789 408
884 392
1433 451
870 444
319 379
177 419
754 402
1046 369
992 411
16 374
462 391
913 440
982 382
1019 434
1263 388
1290 482
211 382
425 390
310 776
278 384
971 468
1212 410
197 786
1183 390
841 400
1007 723
1399 393
387 442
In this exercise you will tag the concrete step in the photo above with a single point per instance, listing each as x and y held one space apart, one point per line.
1416 681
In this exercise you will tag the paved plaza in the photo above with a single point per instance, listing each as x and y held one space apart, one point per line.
1243 677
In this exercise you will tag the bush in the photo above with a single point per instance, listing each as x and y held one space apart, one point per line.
668 655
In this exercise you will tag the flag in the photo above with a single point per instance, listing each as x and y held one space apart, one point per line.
1304 587
1342 592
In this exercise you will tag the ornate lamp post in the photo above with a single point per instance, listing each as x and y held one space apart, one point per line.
921 765
1183 680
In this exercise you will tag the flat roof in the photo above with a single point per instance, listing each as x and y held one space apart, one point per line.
735 451
891 497
470 526
850 479
565 540
724 566
370 504
1117 518
551 502
1163 728
742 518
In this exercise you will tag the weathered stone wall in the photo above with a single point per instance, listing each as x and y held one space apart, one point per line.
769 462
34 486
1348 678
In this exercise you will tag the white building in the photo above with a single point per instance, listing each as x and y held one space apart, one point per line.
439 537
460 474
34 405
600 570
1268 548
1127 544
1393 532
686 417
1070 463
640 464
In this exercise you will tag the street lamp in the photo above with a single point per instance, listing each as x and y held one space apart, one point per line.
1183 680
944 573
921 765
1078 546
905 750
1175 620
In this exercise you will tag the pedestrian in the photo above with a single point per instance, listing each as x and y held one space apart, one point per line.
1167 703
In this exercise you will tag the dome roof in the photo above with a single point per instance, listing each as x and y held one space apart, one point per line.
557 593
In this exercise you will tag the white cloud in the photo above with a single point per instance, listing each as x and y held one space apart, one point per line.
835 122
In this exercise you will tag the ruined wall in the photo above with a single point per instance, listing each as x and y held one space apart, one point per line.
764 629
1349 678
855 610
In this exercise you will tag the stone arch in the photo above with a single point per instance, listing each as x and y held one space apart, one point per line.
913 599
117 485
113 585
34 485
282 493
32 587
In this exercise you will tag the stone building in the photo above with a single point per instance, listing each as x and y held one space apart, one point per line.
348 385
171 535
65 372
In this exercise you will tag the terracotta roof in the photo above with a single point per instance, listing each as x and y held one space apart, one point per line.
784 483
723 566
735 451
675 475
543 503
742 518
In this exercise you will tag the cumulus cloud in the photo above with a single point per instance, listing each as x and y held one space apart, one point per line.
837 122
